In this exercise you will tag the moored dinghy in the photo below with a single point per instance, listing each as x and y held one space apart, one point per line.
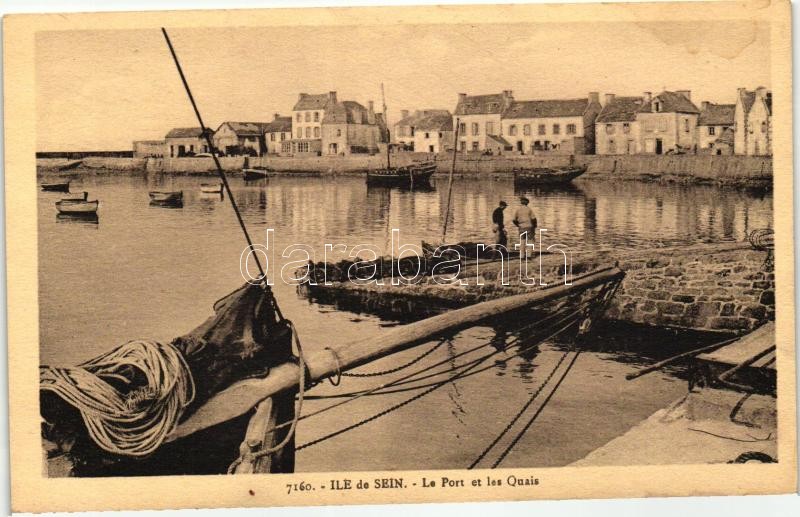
78 206
211 188
167 198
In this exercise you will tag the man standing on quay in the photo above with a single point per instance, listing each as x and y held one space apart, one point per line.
498 228
526 223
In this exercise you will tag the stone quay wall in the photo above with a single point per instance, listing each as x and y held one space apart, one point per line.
746 171
722 287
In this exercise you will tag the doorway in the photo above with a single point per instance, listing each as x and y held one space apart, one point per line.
659 146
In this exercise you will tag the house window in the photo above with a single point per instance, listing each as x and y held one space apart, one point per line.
542 129
556 129
474 146
440 134
711 130
490 128
612 147
686 125
308 116
764 126
286 147
626 128
657 107
308 132
316 132
427 135
283 136
512 130
299 132
412 130
610 129
298 117
462 145
316 116
338 132
475 129
272 137
462 128
571 129
526 130
401 131
302 147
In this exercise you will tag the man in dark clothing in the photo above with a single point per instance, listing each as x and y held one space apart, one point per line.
498 226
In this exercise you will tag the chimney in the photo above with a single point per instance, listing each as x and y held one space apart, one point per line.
403 113
685 93
371 106
704 105
277 116
594 97
462 97
761 92
302 95
609 98
647 97
332 97
371 112
508 94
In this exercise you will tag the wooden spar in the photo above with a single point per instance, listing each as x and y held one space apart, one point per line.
450 179
244 395
674 358
388 133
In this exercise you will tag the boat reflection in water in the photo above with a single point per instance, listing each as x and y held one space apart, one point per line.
90 219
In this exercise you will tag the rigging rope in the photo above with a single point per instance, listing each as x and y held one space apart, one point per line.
133 423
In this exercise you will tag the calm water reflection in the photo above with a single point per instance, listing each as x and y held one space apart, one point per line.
152 272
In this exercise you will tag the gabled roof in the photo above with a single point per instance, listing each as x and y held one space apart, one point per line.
481 104
749 98
435 122
345 112
187 132
430 119
247 128
672 102
621 109
280 124
311 102
717 115
547 108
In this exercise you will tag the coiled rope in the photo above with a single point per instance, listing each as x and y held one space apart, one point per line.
135 422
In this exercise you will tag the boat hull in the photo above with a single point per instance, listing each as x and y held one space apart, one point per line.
255 174
409 176
211 189
166 197
77 207
547 175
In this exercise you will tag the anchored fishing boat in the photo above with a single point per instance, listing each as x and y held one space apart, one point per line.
70 165
547 176
78 206
56 187
211 188
410 176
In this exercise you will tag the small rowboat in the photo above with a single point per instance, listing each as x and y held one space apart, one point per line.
417 174
166 197
548 175
55 187
78 206
253 174
211 188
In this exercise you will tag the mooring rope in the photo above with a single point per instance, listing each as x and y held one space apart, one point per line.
133 423
415 397
397 368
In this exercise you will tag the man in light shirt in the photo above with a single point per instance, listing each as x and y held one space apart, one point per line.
526 223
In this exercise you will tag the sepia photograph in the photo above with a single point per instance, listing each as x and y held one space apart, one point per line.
400 254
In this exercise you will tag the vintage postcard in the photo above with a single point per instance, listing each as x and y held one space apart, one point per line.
374 255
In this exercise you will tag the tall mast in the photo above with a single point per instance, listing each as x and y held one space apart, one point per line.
388 133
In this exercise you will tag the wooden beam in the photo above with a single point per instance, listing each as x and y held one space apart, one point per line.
244 395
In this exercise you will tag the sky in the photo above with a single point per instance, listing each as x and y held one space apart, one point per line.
100 90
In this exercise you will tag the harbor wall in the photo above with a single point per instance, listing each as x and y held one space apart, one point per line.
749 171
723 287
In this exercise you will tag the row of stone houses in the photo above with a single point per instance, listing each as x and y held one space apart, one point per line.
667 123
319 125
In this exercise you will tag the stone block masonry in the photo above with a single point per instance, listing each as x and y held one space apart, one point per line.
722 287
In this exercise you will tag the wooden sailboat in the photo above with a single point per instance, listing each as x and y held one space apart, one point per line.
547 176
78 207
408 176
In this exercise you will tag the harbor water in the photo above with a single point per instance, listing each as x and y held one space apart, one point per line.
150 272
